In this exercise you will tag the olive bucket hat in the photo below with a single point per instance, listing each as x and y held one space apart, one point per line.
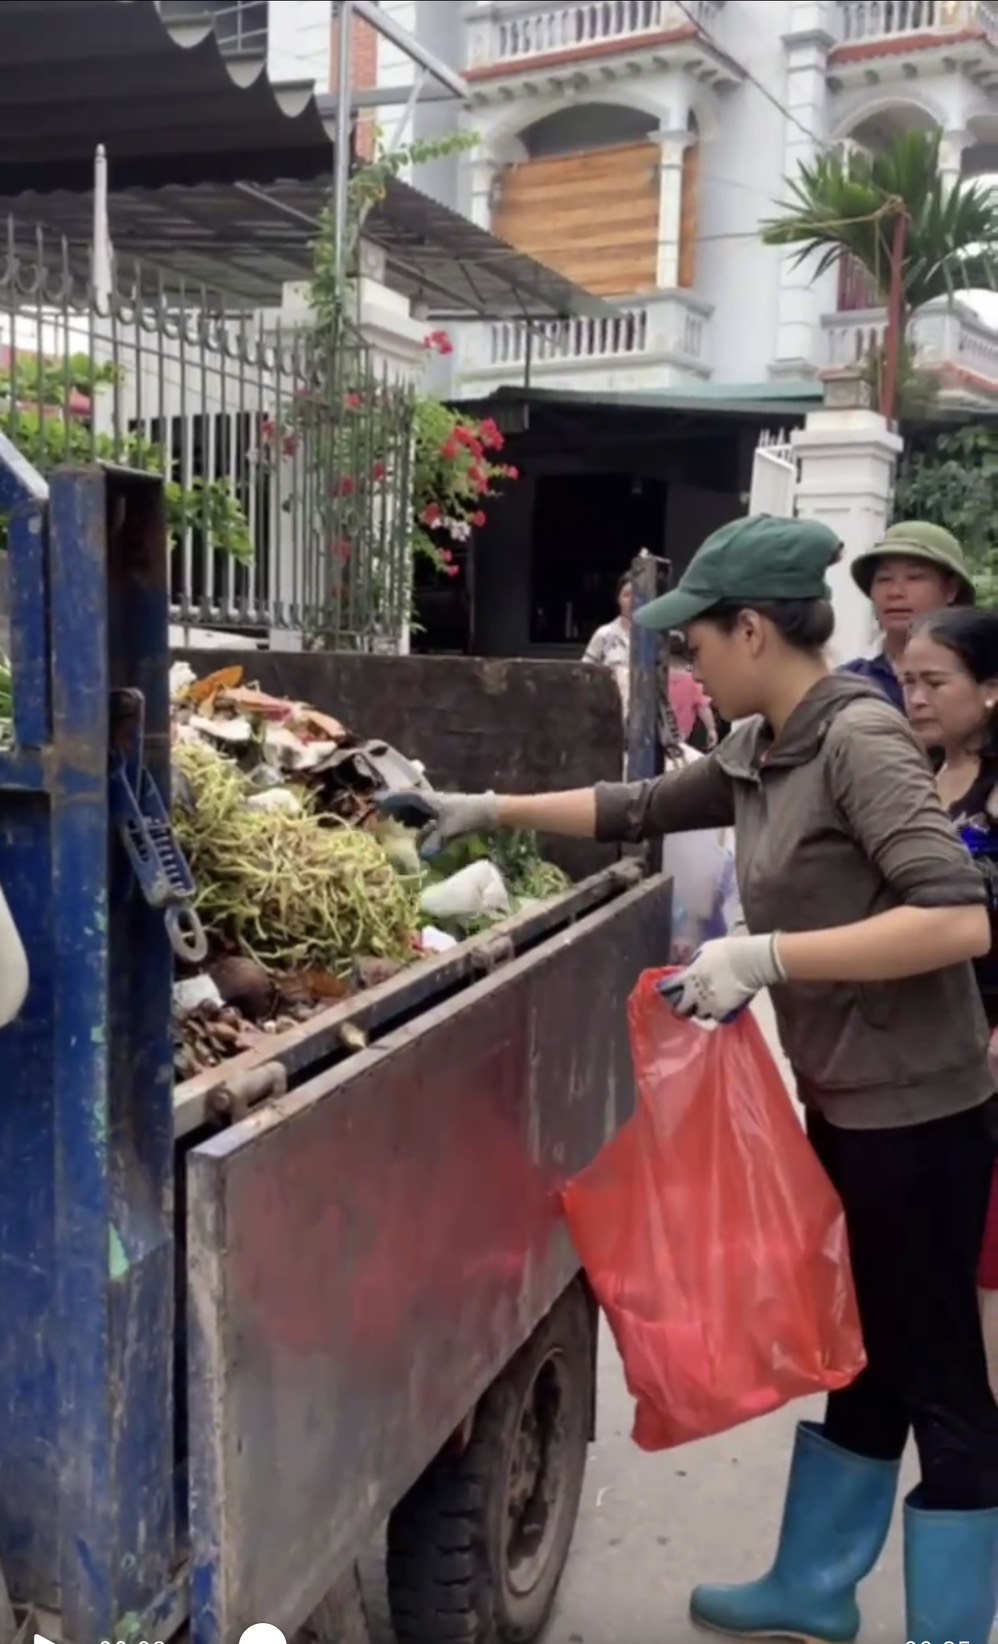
917 539
759 558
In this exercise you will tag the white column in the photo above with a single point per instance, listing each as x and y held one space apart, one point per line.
670 205
807 43
484 171
847 462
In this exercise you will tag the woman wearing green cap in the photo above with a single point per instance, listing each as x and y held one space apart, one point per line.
865 912
916 568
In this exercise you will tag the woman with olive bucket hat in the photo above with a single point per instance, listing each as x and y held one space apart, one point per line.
865 912
916 568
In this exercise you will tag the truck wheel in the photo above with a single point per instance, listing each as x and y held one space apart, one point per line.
477 1547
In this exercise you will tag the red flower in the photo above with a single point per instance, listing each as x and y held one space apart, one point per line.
478 518
452 570
353 402
289 445
512 473
379 471
450 449
268 428
340 550
439 341
431 515
345 486
446 556
490 435
445 346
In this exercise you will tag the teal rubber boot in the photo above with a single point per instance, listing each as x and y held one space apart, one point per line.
950 1574
835 1522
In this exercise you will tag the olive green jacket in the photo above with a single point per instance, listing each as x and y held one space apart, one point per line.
836 821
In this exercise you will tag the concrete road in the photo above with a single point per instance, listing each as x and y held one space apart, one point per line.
652 1526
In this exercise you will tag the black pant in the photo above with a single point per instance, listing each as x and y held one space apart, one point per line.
915 1202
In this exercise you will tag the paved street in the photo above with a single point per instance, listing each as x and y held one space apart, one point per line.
651 1526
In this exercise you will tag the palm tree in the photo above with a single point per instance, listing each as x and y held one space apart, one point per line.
848 205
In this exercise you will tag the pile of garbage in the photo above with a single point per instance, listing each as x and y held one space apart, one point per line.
306 892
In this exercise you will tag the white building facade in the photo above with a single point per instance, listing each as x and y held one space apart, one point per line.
638 144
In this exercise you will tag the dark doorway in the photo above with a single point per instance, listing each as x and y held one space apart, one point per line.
586 530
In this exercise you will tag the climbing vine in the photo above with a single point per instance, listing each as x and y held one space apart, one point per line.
379 444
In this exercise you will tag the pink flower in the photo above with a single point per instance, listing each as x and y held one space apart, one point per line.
431 515
379 471
478 518
452 570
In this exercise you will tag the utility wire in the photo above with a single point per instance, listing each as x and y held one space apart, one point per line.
715 45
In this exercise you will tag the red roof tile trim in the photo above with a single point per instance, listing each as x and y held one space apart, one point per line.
900 45
581 54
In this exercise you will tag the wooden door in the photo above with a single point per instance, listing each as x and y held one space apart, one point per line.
593 216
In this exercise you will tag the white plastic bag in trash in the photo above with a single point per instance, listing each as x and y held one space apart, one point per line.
704 892
474 890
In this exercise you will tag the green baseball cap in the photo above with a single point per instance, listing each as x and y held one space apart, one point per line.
917 539
759 558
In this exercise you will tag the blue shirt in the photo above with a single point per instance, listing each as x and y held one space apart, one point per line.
879 672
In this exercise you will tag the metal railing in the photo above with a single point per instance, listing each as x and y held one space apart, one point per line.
286 450
890 19
513 341
513 34
941 334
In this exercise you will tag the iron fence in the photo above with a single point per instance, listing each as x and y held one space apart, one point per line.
285 447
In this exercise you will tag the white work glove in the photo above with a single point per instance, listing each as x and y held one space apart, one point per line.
441 817
724 976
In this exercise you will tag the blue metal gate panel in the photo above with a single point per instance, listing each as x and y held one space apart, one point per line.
86 1275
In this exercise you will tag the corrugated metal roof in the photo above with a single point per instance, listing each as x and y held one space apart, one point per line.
217 175
156 91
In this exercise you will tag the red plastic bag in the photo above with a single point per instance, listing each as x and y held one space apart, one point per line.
712 1237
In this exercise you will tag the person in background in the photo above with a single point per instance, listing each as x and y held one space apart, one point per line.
865 911
949 672
610 647
916 568
690 702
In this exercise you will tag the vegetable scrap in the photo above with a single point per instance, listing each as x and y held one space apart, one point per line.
307 892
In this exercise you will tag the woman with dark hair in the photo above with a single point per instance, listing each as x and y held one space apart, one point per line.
610 646
949 673
865 913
